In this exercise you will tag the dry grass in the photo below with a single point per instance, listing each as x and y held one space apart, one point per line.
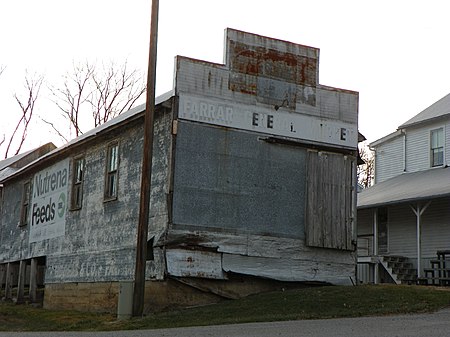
309 303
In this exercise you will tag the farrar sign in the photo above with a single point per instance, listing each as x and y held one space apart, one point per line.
269 121
49 202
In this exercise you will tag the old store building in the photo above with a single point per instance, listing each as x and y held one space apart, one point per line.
253 184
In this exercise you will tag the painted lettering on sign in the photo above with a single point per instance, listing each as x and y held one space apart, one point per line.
48 210
268 121
208 112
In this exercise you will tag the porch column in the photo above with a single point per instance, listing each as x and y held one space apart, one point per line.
21 281
418 211
375 245
2 277
8 281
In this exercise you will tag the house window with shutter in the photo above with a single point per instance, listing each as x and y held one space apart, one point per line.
77 183
111 178
437 147
330 203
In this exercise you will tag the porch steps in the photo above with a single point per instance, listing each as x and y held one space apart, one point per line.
400 269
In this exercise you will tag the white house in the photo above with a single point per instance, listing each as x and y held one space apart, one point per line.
404 219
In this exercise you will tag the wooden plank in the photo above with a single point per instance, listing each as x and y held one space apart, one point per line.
2 277
21 281
9 281
290 270
329 206
194 263
33 280
259 245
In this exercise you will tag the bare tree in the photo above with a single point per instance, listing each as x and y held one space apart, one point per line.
70 98
366 171
90 97
27 104
116 91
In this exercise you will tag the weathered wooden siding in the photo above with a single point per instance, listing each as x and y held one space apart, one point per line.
389 159
279 258
330 212
273 76
99 241
239 196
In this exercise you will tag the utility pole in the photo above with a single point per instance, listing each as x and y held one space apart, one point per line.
144 205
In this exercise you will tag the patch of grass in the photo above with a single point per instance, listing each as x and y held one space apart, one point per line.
306 303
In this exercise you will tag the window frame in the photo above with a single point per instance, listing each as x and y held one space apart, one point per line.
435 150
25 204
76 198
111 172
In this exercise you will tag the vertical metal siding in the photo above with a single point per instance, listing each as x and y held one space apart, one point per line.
227 179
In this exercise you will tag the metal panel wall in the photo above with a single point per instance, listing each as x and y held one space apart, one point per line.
232 180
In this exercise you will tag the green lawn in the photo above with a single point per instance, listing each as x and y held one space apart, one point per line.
306 303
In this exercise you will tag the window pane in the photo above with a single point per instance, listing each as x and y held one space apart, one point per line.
438 157
79 168
111 185
112 158
437 138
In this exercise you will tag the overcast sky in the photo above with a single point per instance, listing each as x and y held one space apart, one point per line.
395 53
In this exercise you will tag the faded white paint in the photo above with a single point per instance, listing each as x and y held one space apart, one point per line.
48 210
270 121
290 270
194 263
272 257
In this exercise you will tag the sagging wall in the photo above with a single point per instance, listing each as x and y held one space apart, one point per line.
239 202
245 131
98 240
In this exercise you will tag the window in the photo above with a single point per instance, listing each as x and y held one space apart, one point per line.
112 164
437 147
25 204
77 183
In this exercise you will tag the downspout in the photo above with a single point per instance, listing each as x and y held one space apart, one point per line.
375 245
404 150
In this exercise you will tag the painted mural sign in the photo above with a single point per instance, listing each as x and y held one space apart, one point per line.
273 122
49 202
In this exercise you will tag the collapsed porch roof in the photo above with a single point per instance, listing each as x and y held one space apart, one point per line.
407 187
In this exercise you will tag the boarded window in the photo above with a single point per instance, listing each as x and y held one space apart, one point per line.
77 183
330 200
112 165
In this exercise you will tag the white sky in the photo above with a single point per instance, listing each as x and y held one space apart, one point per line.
395 53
